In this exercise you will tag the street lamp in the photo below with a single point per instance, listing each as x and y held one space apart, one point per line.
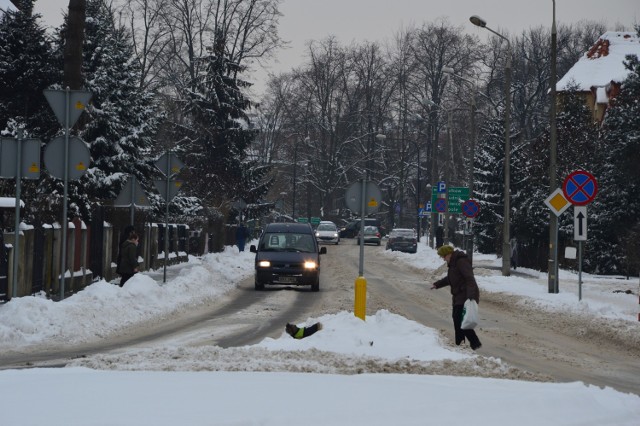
506 247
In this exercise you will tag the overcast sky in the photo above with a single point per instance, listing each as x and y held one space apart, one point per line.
378 20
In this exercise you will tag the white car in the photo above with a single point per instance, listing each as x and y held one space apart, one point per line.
327 232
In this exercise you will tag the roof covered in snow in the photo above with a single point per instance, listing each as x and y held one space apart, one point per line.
603 63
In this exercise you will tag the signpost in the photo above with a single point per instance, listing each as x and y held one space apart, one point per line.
67 105
169 164
580 235
363 198
132 196
579 189
19 158
558 204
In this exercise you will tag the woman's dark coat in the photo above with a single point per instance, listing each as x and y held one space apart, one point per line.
128 258
460 279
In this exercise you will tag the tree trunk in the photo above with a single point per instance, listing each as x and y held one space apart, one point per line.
73 45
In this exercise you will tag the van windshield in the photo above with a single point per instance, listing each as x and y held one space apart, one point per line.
281 241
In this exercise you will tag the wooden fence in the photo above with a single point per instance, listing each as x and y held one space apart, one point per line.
91 254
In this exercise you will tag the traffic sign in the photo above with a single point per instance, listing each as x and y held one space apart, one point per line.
580 223
30 158
174 187
580 188
457 196
373 196
428 207
556 202
442 187
79 157
169 166
470 208
132 193
441 205
78 100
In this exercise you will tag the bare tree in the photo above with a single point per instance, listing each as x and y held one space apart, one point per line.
151 37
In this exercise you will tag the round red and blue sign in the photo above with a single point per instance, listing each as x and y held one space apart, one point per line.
470 208
580 188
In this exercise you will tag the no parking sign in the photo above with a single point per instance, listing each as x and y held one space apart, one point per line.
470 208
580 188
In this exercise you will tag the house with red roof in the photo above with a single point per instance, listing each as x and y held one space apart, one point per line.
599 73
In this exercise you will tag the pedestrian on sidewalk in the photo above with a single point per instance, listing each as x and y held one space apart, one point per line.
463 286
241 236
514 253
128 259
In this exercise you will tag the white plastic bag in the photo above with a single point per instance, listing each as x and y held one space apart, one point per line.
469 315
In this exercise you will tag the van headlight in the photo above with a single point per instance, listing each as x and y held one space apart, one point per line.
309 264
264 264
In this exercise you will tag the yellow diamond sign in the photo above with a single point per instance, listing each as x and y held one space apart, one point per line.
557 202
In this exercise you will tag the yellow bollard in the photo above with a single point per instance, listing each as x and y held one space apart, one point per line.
360 305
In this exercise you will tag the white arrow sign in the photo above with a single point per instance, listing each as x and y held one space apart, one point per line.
580 223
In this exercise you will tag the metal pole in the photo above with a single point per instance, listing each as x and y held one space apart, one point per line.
65 223
506 246
295 166
362 215
553 143
166 220
419 197
579 270
446 214
16 242
132 208
472 171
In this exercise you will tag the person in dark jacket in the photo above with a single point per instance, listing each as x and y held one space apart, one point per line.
463 286
302 332
128 262
241 236
124 236
439 236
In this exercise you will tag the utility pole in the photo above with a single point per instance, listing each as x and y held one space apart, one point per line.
553 143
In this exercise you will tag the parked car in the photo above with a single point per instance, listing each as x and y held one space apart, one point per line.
402 239
352 229
371 236
287 254
327 232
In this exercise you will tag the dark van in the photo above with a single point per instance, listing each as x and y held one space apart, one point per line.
288 254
